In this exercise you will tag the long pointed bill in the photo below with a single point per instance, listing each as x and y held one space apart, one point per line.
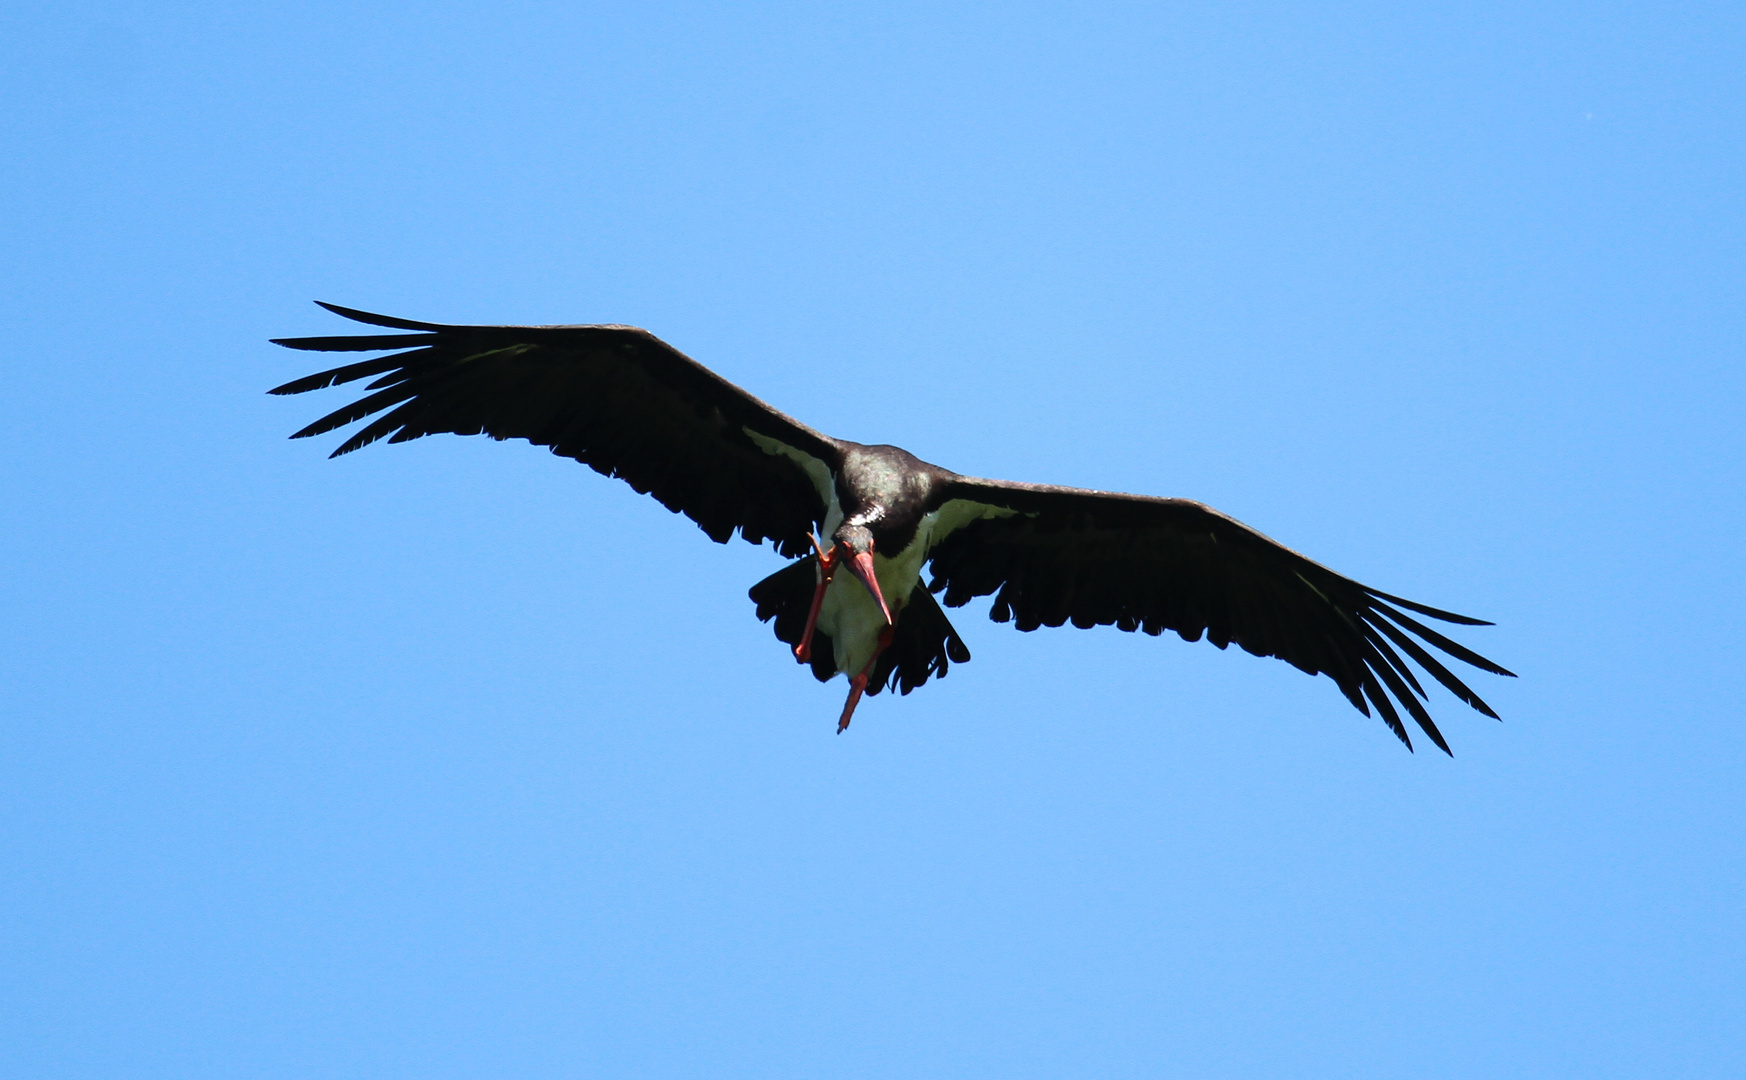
862 565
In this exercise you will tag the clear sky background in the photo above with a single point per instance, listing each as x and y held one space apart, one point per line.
456 760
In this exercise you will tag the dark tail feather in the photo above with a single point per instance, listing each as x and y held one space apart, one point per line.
925 645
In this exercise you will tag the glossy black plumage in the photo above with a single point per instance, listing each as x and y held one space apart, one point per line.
629 405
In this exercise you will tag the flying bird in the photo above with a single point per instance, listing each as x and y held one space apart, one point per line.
860 522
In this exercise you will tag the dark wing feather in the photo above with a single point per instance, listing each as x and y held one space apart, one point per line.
1055 555
613 397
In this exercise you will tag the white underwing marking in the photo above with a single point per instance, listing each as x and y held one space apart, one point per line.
957 513
816 471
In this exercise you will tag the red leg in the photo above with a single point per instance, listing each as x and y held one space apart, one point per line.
827 569
858 684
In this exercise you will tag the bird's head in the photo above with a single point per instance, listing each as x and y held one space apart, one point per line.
854 546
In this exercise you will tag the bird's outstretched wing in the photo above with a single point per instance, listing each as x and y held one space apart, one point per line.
615 398
1053 555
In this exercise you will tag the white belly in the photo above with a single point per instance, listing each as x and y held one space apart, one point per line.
850 615
852 618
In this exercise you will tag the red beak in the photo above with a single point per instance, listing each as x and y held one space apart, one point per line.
862 565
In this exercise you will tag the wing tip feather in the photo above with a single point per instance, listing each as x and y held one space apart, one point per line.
370 318
1426 609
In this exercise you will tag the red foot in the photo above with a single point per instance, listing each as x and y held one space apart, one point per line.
827 569
858 684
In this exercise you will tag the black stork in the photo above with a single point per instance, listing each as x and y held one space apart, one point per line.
627 404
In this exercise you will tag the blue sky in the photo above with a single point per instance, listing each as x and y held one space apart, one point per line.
454 759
